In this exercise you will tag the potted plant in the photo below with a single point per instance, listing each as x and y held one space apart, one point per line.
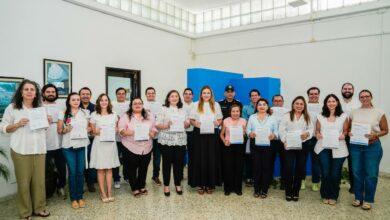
4 171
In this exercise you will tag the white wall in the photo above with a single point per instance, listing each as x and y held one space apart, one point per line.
33 30
326 54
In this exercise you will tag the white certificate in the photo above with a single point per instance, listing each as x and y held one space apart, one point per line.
206 124
53 111
359 131
293 140
177 123
262 136
141 132
236 134
107 133
330 138
314 109
37 118
79 130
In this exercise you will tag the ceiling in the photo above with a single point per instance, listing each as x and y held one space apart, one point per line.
200 5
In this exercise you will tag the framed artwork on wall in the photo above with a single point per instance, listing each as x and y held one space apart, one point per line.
8 86
58 73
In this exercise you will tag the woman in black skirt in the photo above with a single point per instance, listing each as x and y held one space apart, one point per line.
206 116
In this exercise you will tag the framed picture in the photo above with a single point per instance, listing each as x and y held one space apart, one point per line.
58 73
8 86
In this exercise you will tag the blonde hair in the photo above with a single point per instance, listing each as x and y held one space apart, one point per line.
201 102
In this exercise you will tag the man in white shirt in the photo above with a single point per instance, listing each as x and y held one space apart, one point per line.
278 110
314 108
120 107
154 108
188 104
53 139
348 104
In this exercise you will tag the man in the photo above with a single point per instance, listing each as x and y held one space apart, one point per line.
228 101
120 107
188 104
348 104
314 108
90 174
278 111
247 111
53 145
154 108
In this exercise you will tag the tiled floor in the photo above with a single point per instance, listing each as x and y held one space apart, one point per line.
216 206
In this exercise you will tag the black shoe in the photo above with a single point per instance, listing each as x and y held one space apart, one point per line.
167 194
179 192
289 198
263 195
91 188
157 181
295 198
227 193
239 193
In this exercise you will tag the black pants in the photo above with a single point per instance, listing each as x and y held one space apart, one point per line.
294 172
137 168
156 159
190 149
233 164
172 156
262 167
90 173
350 173
278 149
248 165
59 161
115 171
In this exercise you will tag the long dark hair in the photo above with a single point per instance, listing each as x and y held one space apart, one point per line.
98 108
68 110
17 99
325 110
144 113
179 104
304 112
263 100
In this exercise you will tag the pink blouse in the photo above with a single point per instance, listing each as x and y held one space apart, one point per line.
229 122
136 147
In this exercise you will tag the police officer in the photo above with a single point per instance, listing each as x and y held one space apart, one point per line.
228 101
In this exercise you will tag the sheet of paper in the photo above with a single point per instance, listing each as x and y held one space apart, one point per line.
37 118
236 134
262 136
359 131
79 130
107 133
330 138
206 124
293 140
141 132
53 111
177 123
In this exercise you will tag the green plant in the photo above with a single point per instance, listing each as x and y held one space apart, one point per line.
4 171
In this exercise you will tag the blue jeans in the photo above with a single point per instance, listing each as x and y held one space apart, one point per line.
315 167
365 167
330 174
156 158
75 159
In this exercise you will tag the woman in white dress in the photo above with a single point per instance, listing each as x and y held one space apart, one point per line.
104 153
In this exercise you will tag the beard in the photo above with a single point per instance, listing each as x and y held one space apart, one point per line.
50 98
347 95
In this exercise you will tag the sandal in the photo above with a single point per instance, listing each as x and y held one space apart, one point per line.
209 191
144 191
42 214
366 206
111 199
356 203
27 218
332 202
137 194
325 201
104 200
200 191
256 195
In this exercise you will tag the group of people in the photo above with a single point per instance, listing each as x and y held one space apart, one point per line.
221 142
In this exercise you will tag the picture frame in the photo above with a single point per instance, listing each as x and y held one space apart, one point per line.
8 86
58 73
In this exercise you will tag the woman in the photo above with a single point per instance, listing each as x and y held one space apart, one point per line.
104 154
366 158
74 125
295 130
28 149
137 130
206 116
171 122
262 124
233 152
331 156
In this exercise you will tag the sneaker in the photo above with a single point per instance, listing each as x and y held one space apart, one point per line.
117 185
157 181
315 187
303 185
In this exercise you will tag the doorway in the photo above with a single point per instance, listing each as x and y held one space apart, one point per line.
128 79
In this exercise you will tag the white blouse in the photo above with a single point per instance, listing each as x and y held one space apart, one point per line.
81 117
188 109
53 139
23 140
166 137
195 115
286 125
342 150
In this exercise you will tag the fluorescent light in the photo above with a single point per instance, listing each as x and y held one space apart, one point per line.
297 3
